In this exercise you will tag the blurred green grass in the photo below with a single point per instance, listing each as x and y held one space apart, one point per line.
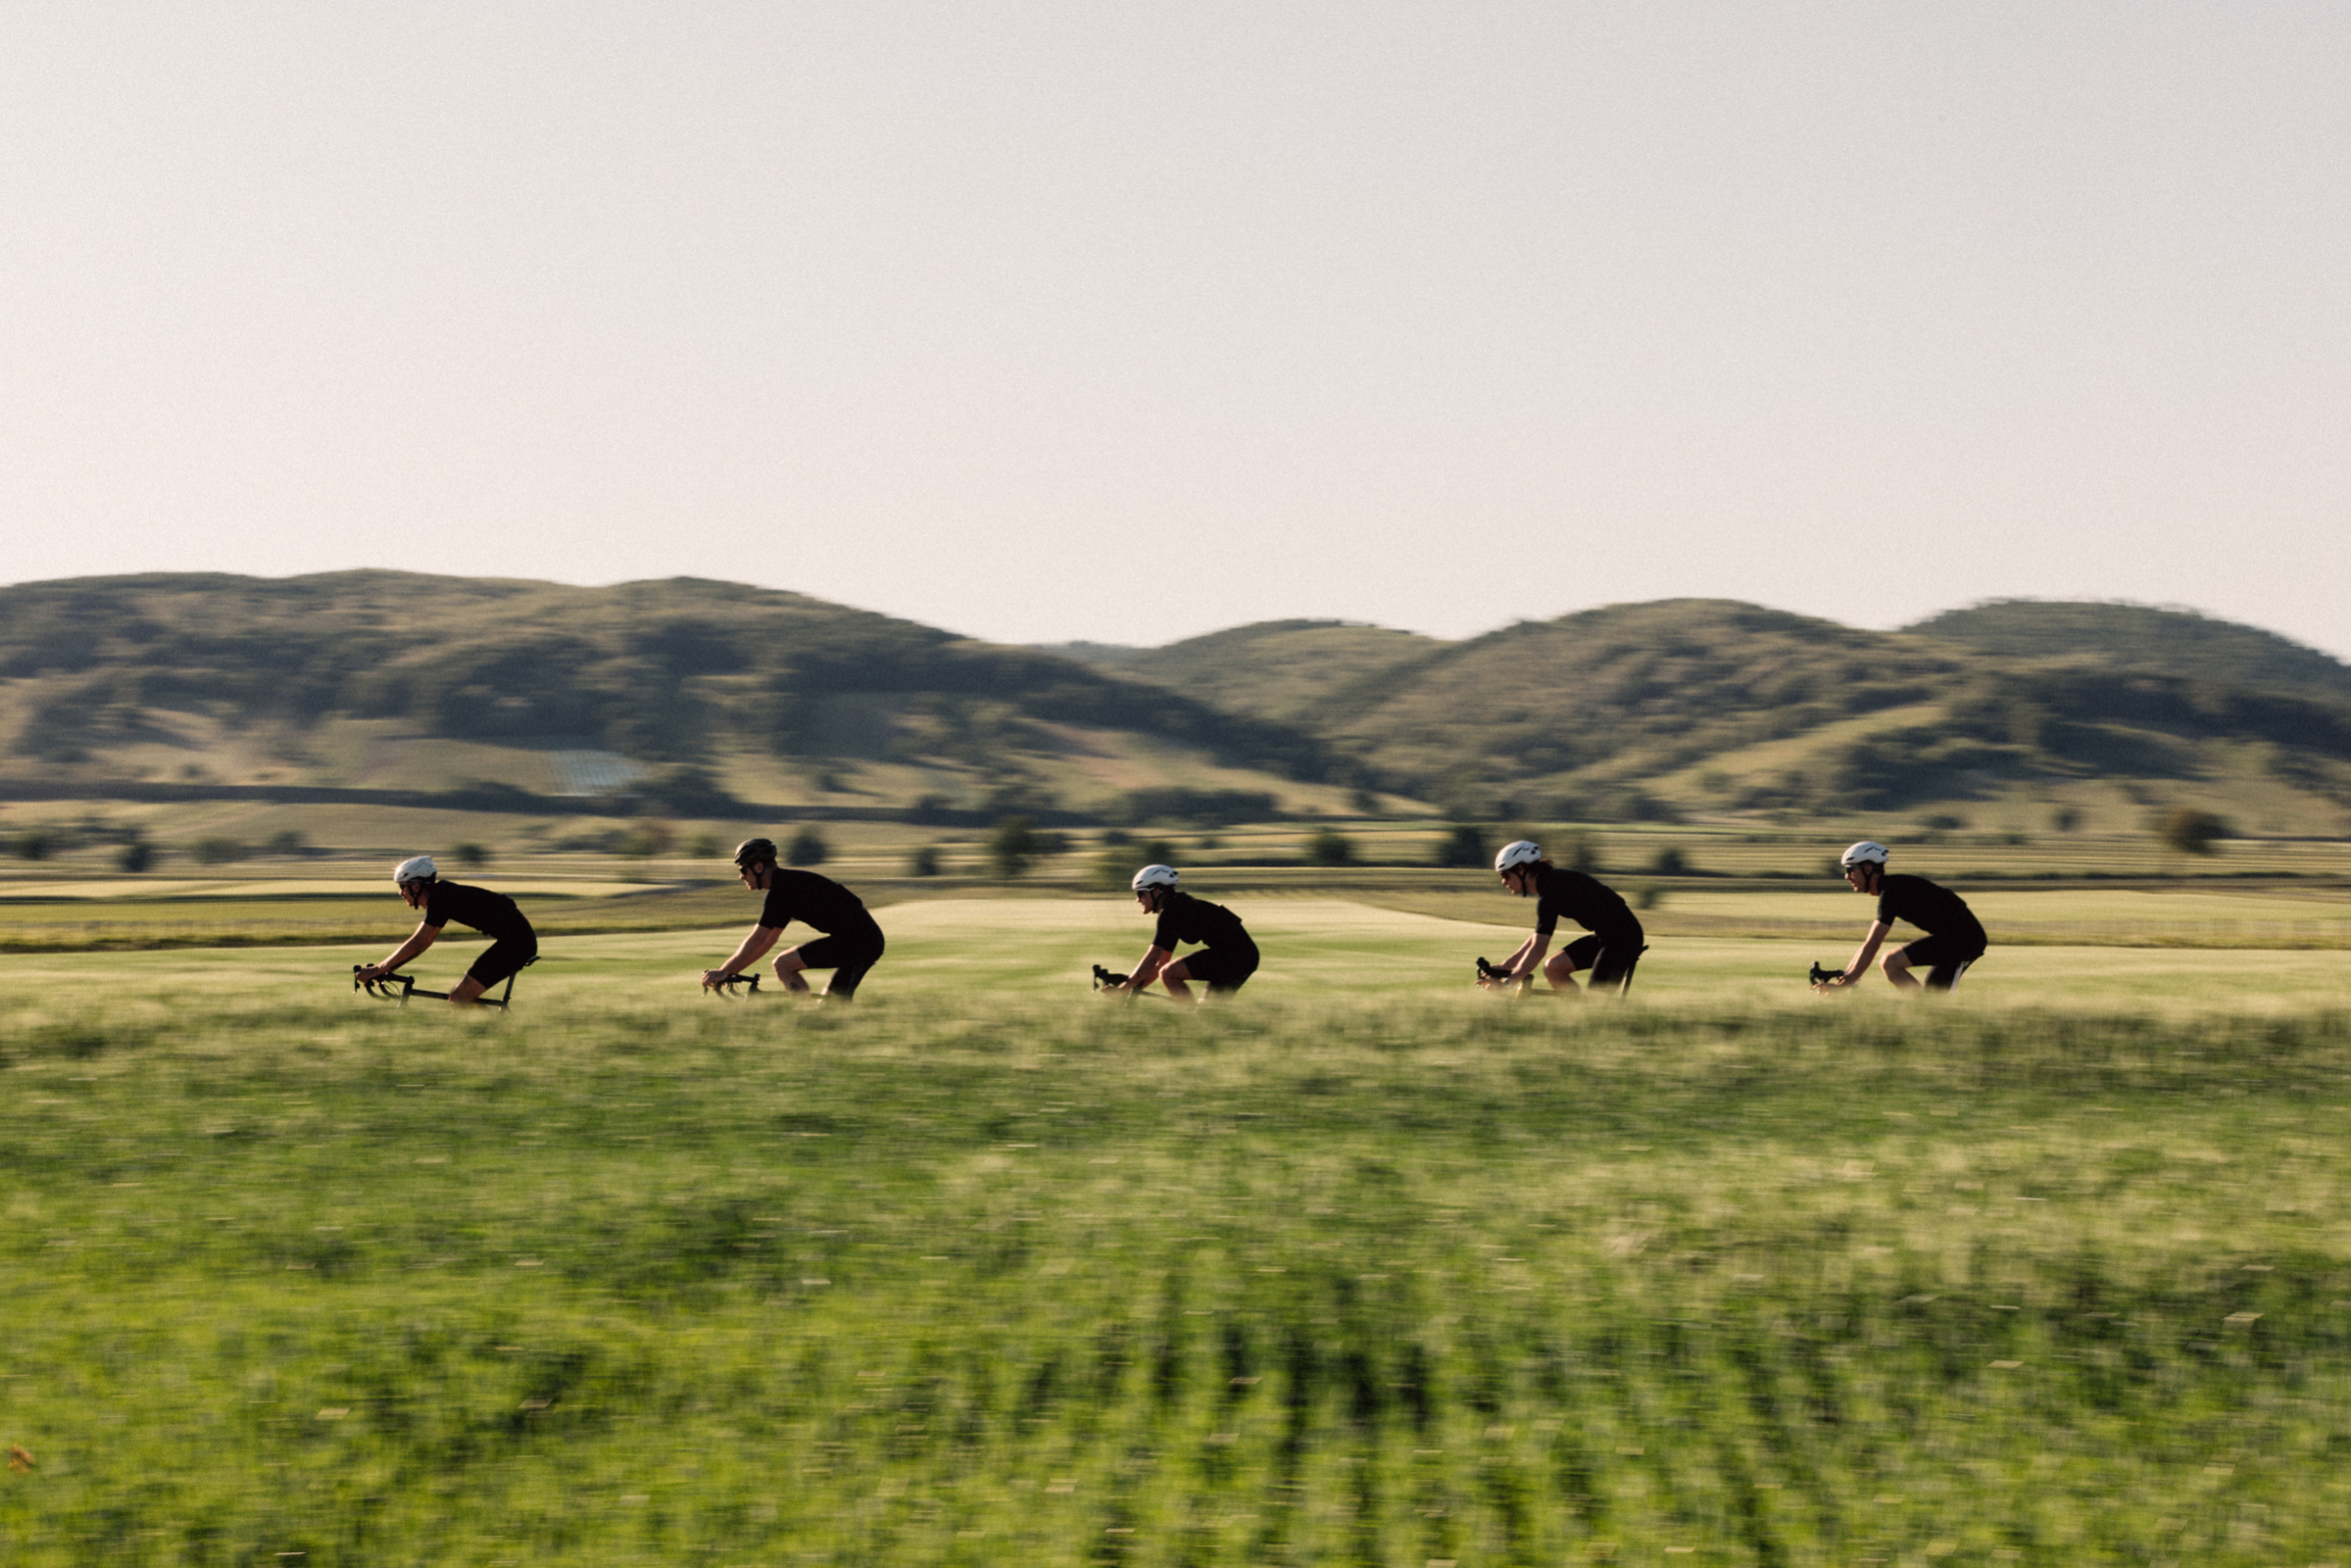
1359 1268
968 1278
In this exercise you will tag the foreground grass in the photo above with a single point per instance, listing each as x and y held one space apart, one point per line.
1347 1283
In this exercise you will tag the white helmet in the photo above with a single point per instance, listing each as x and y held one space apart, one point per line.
1516 854
1869 852
1153 876
416 868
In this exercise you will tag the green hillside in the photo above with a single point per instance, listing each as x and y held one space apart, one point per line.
1288 670
402 680
2170 642
692 697
1709 705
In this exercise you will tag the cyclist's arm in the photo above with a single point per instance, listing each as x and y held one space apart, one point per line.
424 936
1869 949
1154 959
761 938
1529 956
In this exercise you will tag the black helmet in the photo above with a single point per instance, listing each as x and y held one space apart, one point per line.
755 851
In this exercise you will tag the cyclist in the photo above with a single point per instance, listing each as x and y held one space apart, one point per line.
1225 963
1954 937
851 944
1610 953
512 943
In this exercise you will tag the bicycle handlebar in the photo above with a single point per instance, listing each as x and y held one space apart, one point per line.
1493 974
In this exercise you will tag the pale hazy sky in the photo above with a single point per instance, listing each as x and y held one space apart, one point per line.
1130 321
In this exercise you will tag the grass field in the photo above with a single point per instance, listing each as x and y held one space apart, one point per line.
1362 1268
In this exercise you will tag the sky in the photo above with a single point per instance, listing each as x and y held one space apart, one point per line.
1043 322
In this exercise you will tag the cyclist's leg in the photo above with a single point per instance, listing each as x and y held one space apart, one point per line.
1223 969
1934 954
1947 976
851 965
1562 965
1613 968
503 957
790 963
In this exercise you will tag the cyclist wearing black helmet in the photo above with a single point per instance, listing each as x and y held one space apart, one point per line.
851 944
513 941
1610 953
1223 965
1954 937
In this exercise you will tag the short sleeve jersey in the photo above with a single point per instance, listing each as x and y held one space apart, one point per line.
1185 918
1931 907
1592 904
815 900
493 914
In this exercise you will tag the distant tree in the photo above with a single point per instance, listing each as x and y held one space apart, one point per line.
1464 845
648 839
808 848
1669 861
34 844
471 855
1012 847
706 846
2065 820
1579 852
924 861
285 844
135 857
2193 832
1330 847
219 850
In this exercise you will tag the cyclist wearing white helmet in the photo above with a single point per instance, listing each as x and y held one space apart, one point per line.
1610 953
1954 937
852 943
513 941
1228 957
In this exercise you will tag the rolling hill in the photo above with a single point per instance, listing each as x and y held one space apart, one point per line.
1291 672
685 694
2178 642
1710 706
698 689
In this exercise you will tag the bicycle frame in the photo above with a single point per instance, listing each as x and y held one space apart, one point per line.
399 988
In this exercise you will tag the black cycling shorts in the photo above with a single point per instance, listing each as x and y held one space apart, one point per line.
1945 959
1223 969
847 953
504 956
1610 955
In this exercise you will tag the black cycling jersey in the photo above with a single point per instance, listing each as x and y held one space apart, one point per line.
1931 907
493 914
1185 918
815 900
1590 903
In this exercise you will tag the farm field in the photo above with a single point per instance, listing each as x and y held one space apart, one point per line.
1364 1268
80 905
